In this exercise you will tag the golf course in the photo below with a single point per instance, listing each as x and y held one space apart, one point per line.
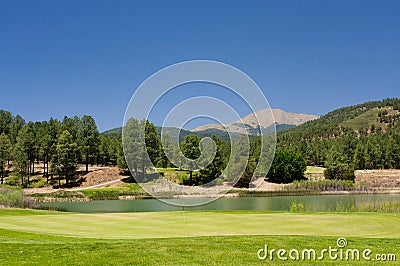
35 237
199 133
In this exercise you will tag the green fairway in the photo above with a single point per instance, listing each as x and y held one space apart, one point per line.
34 249
215 238
171 224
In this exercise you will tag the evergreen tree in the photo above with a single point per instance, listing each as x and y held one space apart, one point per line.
132 146
359 158
153 142
64 162
6 119
5 151
336 164
190 149
239 159
21 160
168 148
88 139
26 142
17 124
215 168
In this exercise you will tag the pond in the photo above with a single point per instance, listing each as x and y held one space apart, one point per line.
279 203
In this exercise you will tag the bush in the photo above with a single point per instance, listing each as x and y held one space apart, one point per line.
287 167
11 197
341 172
37 184
297 206
13 181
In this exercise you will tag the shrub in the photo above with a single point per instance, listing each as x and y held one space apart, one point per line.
297 206
340 171
13 181
11 197
287 167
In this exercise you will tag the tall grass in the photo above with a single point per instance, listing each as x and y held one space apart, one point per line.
385 207
327 185
13 197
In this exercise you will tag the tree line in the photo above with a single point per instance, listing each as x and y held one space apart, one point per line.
61 145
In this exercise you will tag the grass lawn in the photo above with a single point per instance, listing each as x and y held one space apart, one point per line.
314 170
43 237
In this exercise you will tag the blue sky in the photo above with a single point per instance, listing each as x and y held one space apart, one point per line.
87 57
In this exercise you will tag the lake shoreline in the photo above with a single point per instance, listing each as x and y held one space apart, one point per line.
234 194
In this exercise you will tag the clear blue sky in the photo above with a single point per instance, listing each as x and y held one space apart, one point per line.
87 57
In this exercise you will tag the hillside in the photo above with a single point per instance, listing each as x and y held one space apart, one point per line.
363 136
114 132
360 119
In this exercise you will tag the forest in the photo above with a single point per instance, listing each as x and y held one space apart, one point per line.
364 136
59 145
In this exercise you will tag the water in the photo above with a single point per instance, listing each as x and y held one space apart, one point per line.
281 203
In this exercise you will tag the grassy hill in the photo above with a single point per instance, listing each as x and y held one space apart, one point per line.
117 132
366 118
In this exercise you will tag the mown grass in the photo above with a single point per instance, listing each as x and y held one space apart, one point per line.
109 193
314 170
20 248
207 238
202 223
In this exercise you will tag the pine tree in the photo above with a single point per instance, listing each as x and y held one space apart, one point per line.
190 149
88 139
132 139
64 162
21 160
153 142
5 151
214 169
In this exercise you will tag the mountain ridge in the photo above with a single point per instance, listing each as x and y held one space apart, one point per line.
260 120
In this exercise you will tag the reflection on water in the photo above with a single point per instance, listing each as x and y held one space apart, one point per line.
281 203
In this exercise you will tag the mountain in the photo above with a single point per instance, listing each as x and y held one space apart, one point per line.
282 121
250 125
